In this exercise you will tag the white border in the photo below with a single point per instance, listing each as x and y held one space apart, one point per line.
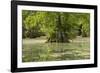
53 63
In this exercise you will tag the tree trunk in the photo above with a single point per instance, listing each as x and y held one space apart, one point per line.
59 35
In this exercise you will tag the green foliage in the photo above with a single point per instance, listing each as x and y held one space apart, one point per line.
57 26
30 25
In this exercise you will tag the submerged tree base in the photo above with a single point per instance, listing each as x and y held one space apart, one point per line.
58 40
